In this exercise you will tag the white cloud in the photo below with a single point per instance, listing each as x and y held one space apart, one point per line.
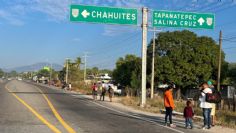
10 18
111 30
76 39
57 10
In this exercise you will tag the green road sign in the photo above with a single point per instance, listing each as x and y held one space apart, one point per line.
183 19
95 14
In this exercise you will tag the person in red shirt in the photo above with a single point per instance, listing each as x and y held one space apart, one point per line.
94 91
188 115
169 104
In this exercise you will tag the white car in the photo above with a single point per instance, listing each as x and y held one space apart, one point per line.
115 88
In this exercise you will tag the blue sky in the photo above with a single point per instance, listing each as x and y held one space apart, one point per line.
33 31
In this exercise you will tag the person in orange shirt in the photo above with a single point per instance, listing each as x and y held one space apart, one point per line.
169 104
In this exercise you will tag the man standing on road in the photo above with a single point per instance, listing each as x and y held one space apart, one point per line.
206 107
169 104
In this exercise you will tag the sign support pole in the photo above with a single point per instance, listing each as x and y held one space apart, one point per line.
144 54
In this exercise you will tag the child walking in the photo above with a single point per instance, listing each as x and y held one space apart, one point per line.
188 115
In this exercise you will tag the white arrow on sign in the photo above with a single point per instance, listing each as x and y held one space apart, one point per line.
85 13
201 21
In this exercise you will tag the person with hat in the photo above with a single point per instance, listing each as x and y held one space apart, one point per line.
213 109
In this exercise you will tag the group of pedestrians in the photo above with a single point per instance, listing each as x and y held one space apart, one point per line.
101 89
208 109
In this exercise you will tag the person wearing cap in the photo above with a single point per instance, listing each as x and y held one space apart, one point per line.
169 104
213 109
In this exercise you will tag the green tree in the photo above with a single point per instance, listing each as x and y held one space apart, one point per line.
1 73
74 72
232 73
184 58
43 73
128 71
13 74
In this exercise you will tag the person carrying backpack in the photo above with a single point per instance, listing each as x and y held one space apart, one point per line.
103 93
206 106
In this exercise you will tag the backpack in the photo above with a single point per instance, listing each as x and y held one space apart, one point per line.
214 97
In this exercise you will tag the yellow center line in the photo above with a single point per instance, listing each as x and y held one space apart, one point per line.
56 114
40 117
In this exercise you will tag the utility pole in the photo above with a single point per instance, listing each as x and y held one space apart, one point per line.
219 63
50 73
67 69
153 63
144 54
85 66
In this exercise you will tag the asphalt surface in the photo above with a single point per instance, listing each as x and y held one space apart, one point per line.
80 113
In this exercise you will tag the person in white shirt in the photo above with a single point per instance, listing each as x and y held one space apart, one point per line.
206 106
70 86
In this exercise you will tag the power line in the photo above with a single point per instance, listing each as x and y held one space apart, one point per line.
112 56
116 44
230 41
226 8
229 48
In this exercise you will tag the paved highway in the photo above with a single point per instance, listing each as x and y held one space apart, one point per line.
30 108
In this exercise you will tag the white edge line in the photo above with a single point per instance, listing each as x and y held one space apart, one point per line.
148 120
151 121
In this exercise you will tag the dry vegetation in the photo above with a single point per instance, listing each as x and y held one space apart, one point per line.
224 118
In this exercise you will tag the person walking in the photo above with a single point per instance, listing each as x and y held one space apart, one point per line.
206 106
102 96
110 92
188 115
169 104
94 91
213 110
99 89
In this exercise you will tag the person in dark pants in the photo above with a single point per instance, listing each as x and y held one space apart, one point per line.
102 96
169 104
110 92
206 106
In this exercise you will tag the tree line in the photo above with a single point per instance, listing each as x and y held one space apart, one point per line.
181 57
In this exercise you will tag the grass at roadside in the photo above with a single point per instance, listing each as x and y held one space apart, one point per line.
82 88
224 117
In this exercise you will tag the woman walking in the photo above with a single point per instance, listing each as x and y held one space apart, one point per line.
110 91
